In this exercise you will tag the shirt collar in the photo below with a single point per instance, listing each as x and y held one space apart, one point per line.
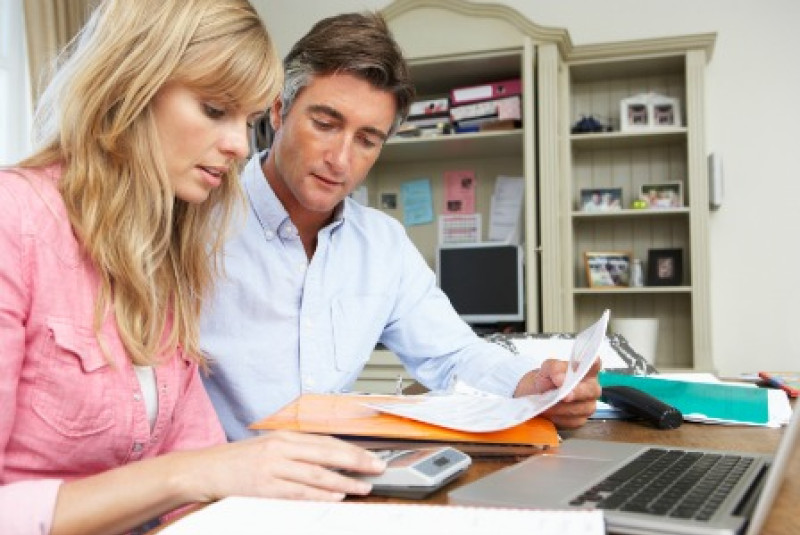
265 204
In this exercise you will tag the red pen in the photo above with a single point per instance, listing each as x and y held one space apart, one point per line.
776 382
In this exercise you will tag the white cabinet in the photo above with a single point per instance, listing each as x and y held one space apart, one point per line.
595 85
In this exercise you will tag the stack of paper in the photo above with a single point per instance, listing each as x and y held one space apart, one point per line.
254 516
479 412
351 418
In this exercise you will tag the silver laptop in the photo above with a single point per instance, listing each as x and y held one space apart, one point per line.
735 495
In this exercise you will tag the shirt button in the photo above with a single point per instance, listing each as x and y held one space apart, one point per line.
137 397
137 447
269 234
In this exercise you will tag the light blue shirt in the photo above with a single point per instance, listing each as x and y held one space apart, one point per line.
279 325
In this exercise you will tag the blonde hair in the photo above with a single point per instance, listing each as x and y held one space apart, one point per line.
154 253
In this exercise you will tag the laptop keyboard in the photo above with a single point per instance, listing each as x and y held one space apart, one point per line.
675 483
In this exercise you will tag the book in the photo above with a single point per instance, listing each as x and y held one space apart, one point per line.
254 516
348 417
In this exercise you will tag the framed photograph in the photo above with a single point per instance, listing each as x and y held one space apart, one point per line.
389 201
662 195
649 111
634 113
601 200
608 269
664 267
664 111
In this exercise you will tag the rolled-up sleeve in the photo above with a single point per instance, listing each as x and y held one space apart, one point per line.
26 507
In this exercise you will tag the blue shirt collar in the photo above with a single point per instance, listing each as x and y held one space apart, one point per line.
265 204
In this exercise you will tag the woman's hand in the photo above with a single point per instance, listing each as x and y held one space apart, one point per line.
281 464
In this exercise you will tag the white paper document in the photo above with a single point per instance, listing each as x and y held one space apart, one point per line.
466 409
505 210
259 516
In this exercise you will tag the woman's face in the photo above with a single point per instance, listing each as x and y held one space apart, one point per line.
200 138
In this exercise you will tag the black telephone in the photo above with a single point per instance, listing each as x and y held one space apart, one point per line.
641 404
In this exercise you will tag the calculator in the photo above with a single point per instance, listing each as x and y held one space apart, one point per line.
415 473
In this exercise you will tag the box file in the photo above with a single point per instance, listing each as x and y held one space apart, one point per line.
488 91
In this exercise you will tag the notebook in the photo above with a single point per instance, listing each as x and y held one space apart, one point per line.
581 473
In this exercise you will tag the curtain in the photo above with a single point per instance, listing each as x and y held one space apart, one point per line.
49 26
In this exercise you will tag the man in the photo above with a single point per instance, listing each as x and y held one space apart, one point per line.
314 280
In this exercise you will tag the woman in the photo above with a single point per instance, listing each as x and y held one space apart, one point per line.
104 235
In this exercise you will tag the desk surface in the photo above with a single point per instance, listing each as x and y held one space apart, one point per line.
784 518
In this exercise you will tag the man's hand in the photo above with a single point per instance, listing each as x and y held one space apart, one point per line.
577 406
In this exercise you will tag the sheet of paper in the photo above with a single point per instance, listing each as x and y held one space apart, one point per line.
460 228
257 516
417 202
473 412
505 210
459 191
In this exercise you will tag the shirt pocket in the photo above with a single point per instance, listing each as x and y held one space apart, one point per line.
72 392
358 322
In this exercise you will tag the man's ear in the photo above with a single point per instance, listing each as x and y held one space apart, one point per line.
275 114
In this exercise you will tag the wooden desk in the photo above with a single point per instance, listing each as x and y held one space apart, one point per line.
784 518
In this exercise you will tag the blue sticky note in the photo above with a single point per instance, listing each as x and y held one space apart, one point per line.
712 400
417 202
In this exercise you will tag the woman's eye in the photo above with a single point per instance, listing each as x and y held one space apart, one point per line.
213 112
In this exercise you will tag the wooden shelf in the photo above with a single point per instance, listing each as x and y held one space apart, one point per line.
637 290
631 213
628 140
450 146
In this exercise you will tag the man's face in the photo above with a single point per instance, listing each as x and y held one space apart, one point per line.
327 143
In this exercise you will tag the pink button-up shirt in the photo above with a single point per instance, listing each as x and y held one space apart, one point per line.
66 412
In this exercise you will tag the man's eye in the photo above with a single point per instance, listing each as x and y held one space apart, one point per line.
213 112
368 142
323 125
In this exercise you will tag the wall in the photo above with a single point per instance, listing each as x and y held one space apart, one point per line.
753 123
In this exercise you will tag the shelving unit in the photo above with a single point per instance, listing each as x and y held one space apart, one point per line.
629 160
489 154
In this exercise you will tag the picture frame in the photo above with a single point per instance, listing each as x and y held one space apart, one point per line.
649 111
664 267
662 195
665 111
634 113
608 269
388 201
594 200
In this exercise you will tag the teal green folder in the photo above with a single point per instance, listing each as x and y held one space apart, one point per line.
711 400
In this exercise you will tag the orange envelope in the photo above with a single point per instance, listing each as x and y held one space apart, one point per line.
347 416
